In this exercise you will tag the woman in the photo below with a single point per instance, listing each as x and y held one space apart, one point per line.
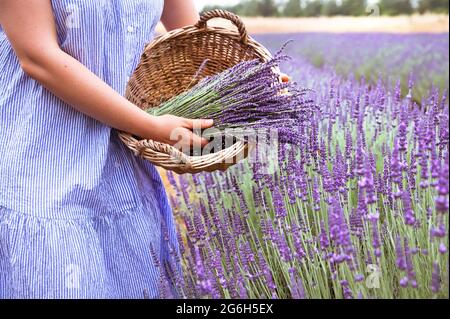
80 215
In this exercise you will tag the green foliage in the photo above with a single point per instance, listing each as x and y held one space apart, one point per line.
309 8
293 8
250 8
440 6
233 9
353 7
267 8
330 8
313 9
396 7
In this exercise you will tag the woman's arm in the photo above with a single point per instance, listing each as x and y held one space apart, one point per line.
30 27
178 14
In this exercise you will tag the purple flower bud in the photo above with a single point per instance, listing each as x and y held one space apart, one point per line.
395 167
436 279
442 201
404 282
346 289
408 211
297 289
439 232
442 248
324 241
278 203
204 284
401 260
409 263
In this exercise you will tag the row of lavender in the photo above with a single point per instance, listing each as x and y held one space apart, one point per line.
390 57
358 210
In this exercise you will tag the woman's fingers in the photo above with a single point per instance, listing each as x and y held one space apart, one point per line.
187 140
179 132
199 124
197 140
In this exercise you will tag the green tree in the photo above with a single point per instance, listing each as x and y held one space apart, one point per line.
313 8
353 7
331 8
248 8
293 8
233 9
433 6
395 7
267 8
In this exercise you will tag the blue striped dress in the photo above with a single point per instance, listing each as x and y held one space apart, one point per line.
80 215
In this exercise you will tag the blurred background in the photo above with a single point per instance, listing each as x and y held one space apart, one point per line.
337 16
313 8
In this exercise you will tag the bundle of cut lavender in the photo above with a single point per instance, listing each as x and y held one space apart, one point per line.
247 95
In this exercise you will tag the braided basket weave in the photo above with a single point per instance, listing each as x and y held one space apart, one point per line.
167 68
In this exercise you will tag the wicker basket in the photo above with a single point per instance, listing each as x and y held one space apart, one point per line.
167 68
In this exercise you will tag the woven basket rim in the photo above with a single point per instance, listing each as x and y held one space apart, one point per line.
191 158
194 163
192 29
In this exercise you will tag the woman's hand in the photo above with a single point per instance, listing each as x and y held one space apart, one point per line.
177 131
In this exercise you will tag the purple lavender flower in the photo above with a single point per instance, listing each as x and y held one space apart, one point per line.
375 237
436 279
346 289
316 195
324 241
278 203
283 247
442 187
339 233
409 265
401 260
395 167
242 291
410 219
264 268
359 278
204 284
442 248
297 289
245 95
299 249
439 232
402 130
412 171
216 264
404 282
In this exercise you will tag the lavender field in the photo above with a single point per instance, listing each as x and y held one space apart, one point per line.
359 209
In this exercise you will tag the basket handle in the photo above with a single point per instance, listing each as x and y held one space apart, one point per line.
218 13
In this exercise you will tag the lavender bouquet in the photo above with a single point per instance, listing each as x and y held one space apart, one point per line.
247 95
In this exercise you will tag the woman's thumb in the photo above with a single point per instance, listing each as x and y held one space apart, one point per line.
202 124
